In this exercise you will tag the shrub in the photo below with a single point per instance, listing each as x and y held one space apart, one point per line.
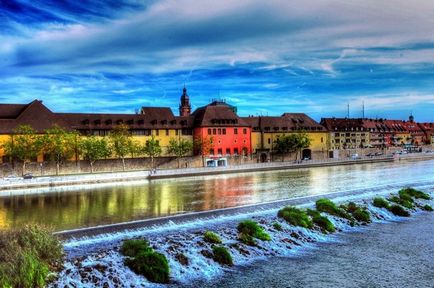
322 221
152 265
253 229
427 207
361 215
398 210
351 207
403 202
295 216
212 237
414 193
222 255
247 239
133 247
327 206
381 203
277 226
145 261
27 255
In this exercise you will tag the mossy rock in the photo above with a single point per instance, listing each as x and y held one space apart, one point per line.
247 239
154 266
321 221
133 247
427 207
277 226
403 202
222 255
212 237
380 203
295 216
415 193
327 206
362 215
253 229
398 210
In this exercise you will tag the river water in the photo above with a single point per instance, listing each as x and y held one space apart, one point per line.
95 205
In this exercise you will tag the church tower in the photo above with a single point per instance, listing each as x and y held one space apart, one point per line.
184 106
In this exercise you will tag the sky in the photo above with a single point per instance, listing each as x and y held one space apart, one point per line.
265 57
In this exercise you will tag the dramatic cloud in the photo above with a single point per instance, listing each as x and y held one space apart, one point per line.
314 56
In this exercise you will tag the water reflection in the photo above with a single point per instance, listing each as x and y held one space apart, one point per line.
89 207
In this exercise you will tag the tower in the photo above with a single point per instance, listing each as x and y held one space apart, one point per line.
184 106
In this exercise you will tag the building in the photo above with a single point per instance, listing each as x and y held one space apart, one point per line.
347 133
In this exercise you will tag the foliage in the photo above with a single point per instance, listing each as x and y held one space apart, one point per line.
404 202
212 237
414 193
398 210
247 239
222 255
152 149
380 203
143 260
179 148
93 149
277 226
427 207
291 143
295 216
121 142
27 255
322 221
24 145
59 145
251 228
327 206
202 145
359 213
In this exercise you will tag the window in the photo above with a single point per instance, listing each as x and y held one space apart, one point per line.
219 131
224 131
322 139
214 131
220 151
211 151
209 131
186 131
235 131
228 151
167 132
235 151
244 131
176 132
157 132
269 141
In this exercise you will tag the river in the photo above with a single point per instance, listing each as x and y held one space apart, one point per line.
102 204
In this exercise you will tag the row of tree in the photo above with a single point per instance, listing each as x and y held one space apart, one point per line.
59 145
291 143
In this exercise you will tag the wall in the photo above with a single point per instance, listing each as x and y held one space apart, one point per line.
230 140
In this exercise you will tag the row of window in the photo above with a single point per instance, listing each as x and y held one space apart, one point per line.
228 151
349 134
222 131
139 132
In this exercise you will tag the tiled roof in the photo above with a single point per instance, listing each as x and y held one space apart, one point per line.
217 114
286 122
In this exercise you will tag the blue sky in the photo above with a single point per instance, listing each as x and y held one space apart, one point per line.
265 57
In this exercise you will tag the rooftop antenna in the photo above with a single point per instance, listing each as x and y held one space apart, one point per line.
348 110
363 109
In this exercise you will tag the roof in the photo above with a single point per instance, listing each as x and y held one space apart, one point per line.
217 113
11 111
286 122
343 124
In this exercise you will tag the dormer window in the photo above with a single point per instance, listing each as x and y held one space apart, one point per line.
85 122
108 122
97 122
141 122
120 121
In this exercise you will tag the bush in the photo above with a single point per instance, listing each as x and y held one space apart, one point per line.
133 247
327 206
277 226
398 200
152 265
221 255
212 237
295 216
414 193
27 255
322 221
252 228
398 210
145 261
427 207
362 215
381 203
247 239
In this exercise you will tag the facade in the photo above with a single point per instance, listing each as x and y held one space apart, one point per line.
347 133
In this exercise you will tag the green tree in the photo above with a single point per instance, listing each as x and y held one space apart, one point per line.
202 146
179 148
24 145
303 141
59 145
285 144
93 149
121 142
152 149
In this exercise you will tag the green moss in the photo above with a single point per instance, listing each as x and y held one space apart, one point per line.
133 247
398 210
295 216
212 237
247 239
277 226
253 229
427 207
327 206
398 200
362 215
321 221
154 266
414 193
381 203
222 255
351 207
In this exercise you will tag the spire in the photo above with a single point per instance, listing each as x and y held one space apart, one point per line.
184 106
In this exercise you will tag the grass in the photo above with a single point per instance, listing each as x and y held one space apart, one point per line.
277 226
251 228
222 255
414 193
381 203
402 201
295 216
212 237
327 206
321 221
427 207
143 260
358 213
27 255
398 210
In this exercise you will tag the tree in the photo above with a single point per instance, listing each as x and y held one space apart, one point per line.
303 141
121 142
202 146
152 149
285 144
59 145
24 145
93 149
179 148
